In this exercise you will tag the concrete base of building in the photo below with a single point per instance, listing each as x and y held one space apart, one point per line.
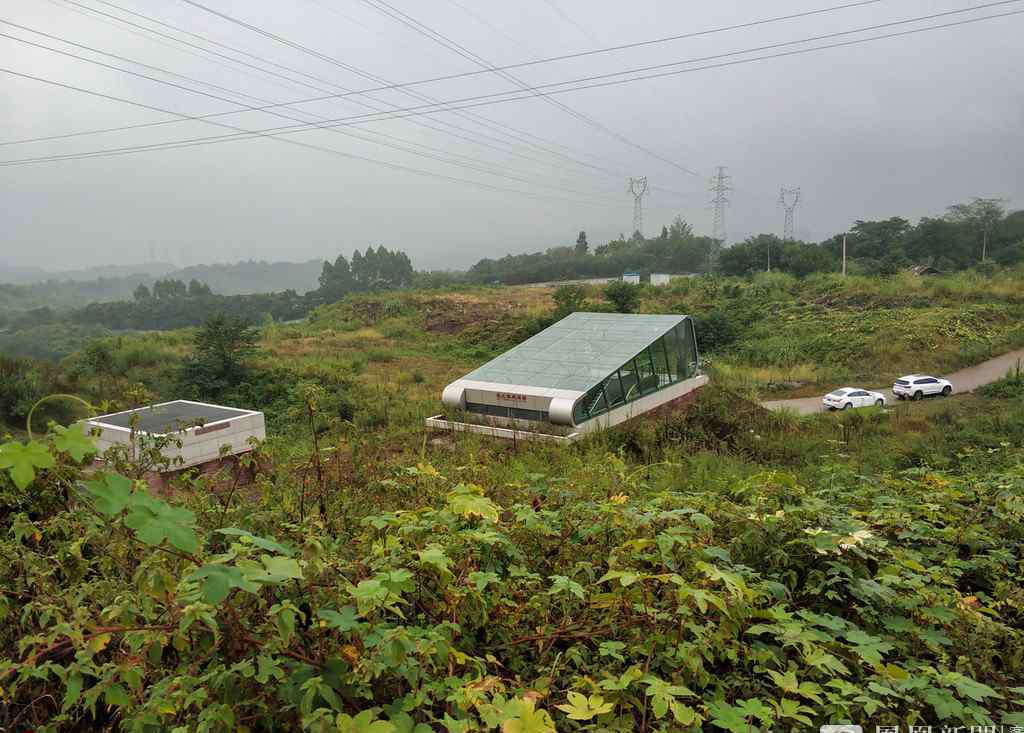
658 401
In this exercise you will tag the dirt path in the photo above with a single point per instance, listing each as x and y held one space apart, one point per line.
965 380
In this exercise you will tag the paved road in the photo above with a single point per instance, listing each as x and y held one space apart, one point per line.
965 380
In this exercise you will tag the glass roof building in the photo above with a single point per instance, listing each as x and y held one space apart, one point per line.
587 371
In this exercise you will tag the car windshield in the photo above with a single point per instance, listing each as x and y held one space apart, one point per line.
902 381
838 393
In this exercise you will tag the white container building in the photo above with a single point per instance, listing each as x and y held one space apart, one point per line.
202 429
633 278
660 278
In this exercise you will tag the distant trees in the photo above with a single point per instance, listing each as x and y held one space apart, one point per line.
21 385
623 296
980 216
172 289
197 289
569 299
181 312
376 270
582 248
970 233
220 361
678 249
169 289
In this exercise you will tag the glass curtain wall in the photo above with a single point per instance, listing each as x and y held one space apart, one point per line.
670 359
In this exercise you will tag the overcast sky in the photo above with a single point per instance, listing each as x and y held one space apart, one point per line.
901 126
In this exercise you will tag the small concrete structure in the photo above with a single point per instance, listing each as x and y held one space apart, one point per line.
203 430
633 278
660 278
588 372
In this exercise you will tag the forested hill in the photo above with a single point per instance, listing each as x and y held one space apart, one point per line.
247 278
73 289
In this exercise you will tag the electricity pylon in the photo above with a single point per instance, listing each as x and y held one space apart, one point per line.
788 199
638 187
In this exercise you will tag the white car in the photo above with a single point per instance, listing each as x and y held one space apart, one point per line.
845 398
916 386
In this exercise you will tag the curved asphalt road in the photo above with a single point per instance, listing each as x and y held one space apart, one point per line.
965 380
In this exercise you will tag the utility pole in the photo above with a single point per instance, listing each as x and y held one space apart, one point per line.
788 199
638 187
721 185
844 254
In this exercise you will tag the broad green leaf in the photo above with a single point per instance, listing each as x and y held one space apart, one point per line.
481 580
73 689
73 441
787 681
344 619
261 542
434 556
730 718
279 569
267 667
946 706
110 493
625 577
469 501
155 521
365 722
870 648
581 707
966 687
528 720
21 461
116 695
218 580
562 584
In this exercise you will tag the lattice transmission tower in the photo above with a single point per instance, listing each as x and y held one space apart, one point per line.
721 185
638 187
788 199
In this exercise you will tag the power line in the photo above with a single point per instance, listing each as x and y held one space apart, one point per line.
438 37
378 79
483 100
252 133
402 145
403 112
446 127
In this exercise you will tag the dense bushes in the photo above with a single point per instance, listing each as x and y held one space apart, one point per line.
597 603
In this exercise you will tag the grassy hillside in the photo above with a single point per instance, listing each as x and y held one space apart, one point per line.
723 568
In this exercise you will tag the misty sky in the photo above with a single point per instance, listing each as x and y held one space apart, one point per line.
902 126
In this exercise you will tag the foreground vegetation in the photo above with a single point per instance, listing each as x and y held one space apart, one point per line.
722 568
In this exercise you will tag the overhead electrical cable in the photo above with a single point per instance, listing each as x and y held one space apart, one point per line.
476 137
308 100
483 100
398 144
407 20
351 156
525 137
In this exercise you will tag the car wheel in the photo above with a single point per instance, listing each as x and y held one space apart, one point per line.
946 391
848 405
918 395
879 403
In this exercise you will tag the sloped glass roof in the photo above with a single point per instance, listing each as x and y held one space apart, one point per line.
577 352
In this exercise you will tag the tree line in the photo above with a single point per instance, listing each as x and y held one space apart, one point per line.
676 249
980 231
